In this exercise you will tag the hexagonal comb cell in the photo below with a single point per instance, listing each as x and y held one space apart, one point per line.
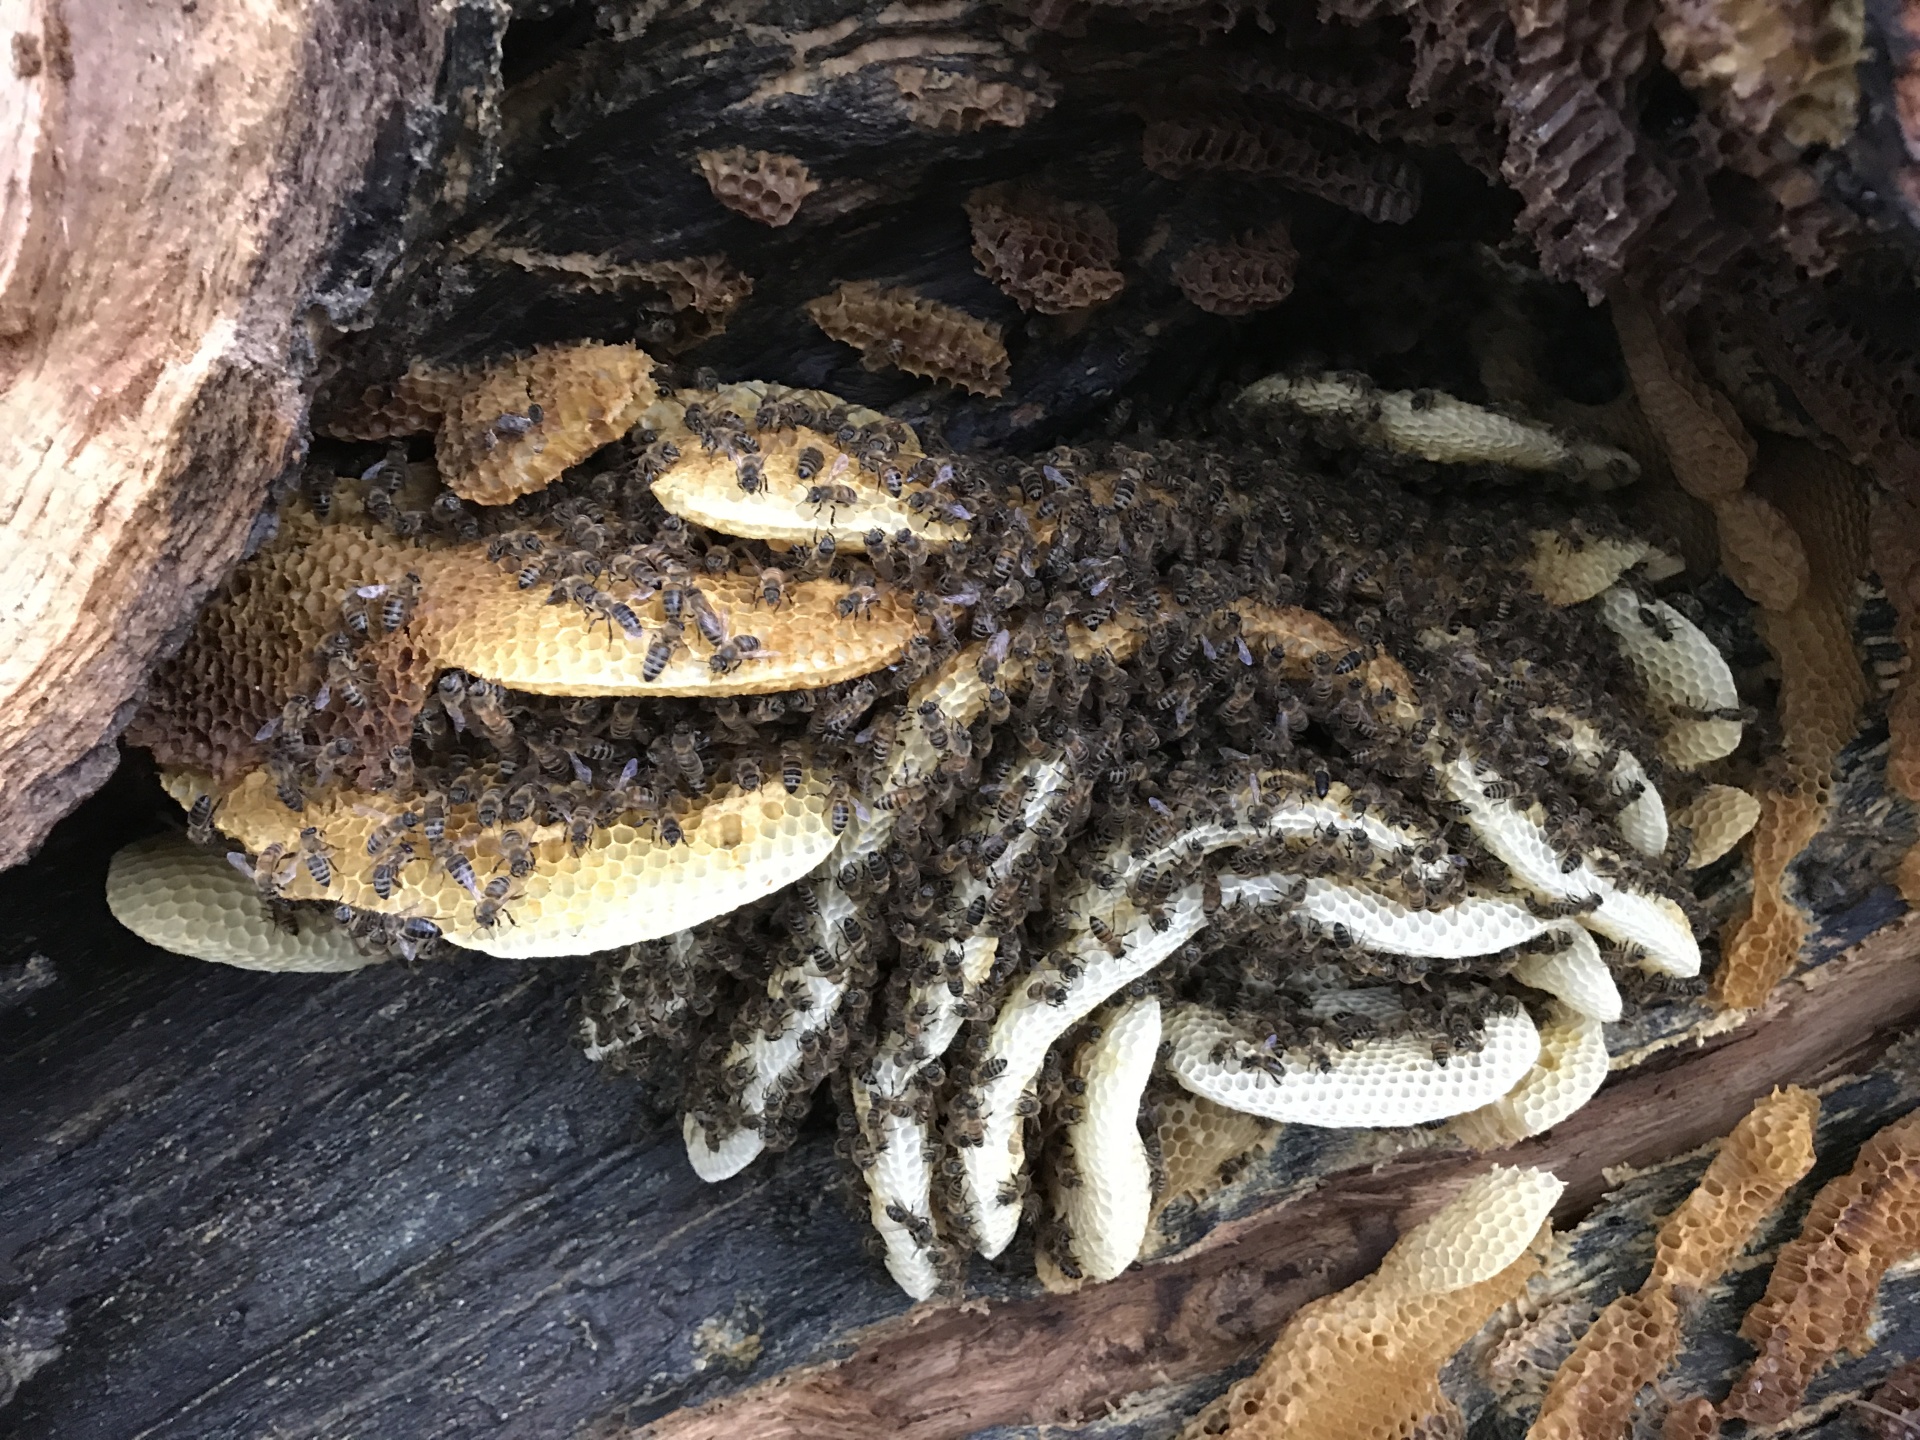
758 184
1050 254
895 326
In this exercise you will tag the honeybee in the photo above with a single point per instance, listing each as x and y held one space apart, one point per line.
750 473
792 772
200 819
270 871
773 587
313 851
516 852
659 652
388 870
807 464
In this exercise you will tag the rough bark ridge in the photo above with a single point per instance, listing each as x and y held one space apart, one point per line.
176 179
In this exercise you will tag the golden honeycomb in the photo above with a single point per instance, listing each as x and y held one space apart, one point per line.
1767 68
628 883
1198 1139
1819 1299
1692 1419
493 445
1570 572
1718 818
1706 442
1049 254
1328 164
192 902
1364 1362
1238 277
840 497
897 327
758 184
1636 1336
1760 551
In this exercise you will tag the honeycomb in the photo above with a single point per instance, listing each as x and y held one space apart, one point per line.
1820 1296
1477 925
1762 1158
1718 818
1572 1066
1438 427
1198 1139
1106 1211
1364 1362
700 293
192 902
1570 573
1710 449
1693 1419
1893 1410
1254 272
1375 1083
1576 975
625 885
410 405
1318 160
894 326
1636 1336
481 624
959 104
1896 543
490 447
1760 551
758 184
703 485
254 647
1761 68
1683 673
1049 254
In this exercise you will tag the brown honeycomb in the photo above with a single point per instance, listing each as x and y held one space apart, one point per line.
491 451
411 405
895 326
959 104
1252 273
758 184
1051 255
1708 446
1198 1139
1893 1410
1317 160
1364 1362
1759 551
1638 1334
1896 556
701 292
1820 1296
254 647
1718 818
627 884
1693 1419
703 485
1823 689
1763 67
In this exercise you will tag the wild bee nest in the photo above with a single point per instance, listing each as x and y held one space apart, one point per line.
982 787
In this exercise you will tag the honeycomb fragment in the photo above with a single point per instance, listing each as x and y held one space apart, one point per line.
1439 428
410 405
1364 1362
700 294
1820 1296
1719 818
482 624
1768 68
1566 572
1198 1139
493 444
1049 254
254 647
1106 1211
1376 1083
758 184
1637 1336
1893 1411
1316 159
627 884
1760 552
1241 276
839 496
895 326
1692 1419
955 103
1709 448
1571 1067
192 902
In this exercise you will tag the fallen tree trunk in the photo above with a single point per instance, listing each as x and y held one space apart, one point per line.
181 185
